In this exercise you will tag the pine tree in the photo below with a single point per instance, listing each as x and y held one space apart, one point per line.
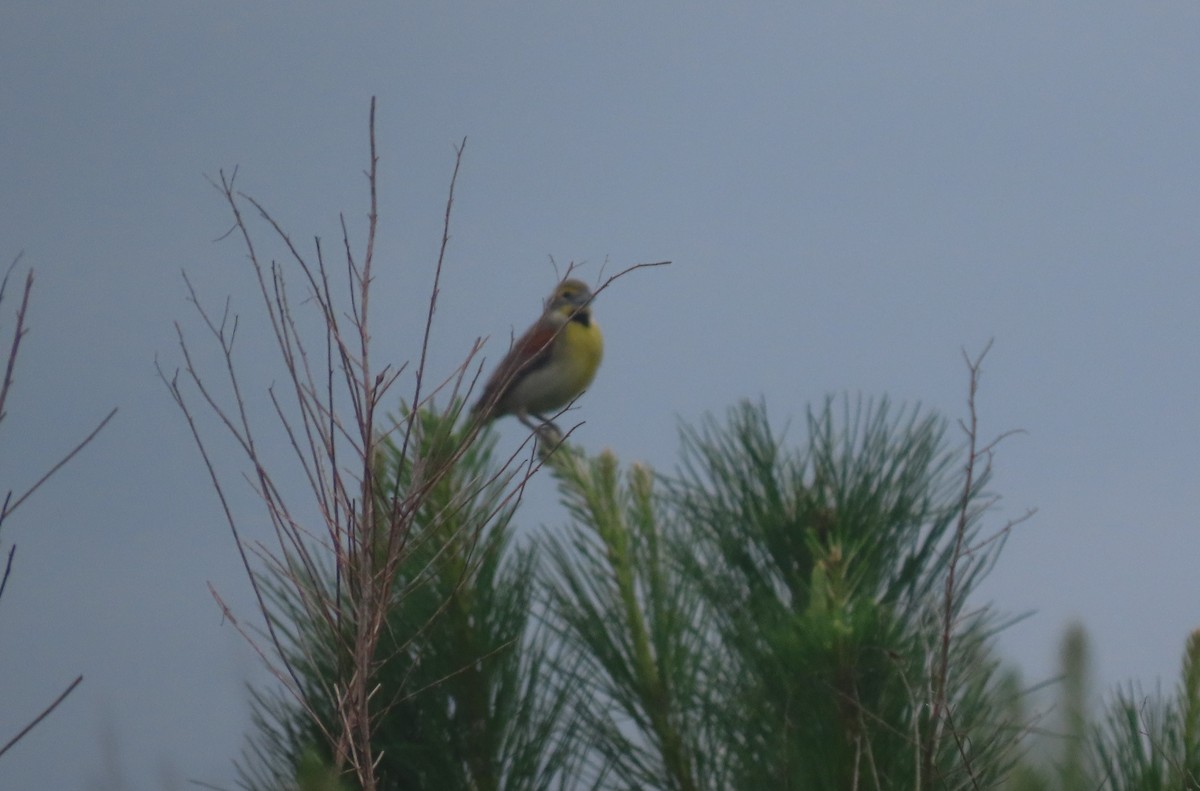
1152 742
773 618
461 696
768 616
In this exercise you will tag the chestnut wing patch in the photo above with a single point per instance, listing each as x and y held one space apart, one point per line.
530 352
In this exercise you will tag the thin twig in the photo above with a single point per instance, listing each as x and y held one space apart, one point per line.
18 333
626 271
45 713
12 550
177 394
940 713
8 509
437 276
333 425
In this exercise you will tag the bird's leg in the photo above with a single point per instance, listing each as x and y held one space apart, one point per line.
546 431
525 421
548 427
540 427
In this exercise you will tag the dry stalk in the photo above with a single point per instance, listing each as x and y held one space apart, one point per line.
13 502
329 412
342 572
978 467
939 705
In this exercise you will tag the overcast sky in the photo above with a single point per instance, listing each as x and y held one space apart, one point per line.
851 196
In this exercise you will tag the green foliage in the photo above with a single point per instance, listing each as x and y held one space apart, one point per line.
628 628
461 700
1074 656
1152 742
1140 742
767 617
772 618
1058 757
313 773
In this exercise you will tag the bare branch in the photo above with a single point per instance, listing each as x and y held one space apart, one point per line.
12 503
45 713
173 387
626 271
965 563
9 508
12 550
18 333
338 559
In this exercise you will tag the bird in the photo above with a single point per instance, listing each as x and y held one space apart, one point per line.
550 365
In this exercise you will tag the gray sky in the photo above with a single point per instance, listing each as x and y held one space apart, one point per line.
850 197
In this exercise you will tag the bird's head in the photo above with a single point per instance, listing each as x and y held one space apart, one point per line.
570 299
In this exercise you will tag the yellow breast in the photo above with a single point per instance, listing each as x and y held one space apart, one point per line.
571 368
584 346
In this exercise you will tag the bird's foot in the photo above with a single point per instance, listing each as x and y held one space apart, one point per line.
549 435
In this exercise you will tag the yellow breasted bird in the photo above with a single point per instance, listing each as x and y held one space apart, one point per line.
550 365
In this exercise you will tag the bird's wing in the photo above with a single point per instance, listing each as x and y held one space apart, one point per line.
528 353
